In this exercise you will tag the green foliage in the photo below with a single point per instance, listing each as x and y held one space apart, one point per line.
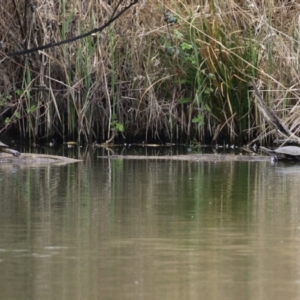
116 126
199 120
215 68
13 119
31 109
170 18
195 146
4 100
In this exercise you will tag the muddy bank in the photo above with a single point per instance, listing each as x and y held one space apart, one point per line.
195 157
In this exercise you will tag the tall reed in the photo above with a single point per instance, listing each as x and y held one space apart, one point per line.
167 70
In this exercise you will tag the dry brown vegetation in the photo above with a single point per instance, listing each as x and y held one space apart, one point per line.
144 78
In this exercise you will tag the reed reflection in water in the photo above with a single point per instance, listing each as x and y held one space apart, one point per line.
118 229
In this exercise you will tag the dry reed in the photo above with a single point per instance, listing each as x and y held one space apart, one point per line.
145 79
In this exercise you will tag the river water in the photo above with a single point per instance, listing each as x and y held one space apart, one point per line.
147 229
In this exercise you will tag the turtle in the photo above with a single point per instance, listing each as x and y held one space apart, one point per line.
285 152
4 148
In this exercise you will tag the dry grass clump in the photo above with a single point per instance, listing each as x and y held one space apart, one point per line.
144 78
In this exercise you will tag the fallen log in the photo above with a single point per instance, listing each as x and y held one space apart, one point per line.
193 157
32 158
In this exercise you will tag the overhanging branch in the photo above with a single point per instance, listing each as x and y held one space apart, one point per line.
50 45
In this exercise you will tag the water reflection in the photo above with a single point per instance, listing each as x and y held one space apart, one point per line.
88 152
92 150
121 229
